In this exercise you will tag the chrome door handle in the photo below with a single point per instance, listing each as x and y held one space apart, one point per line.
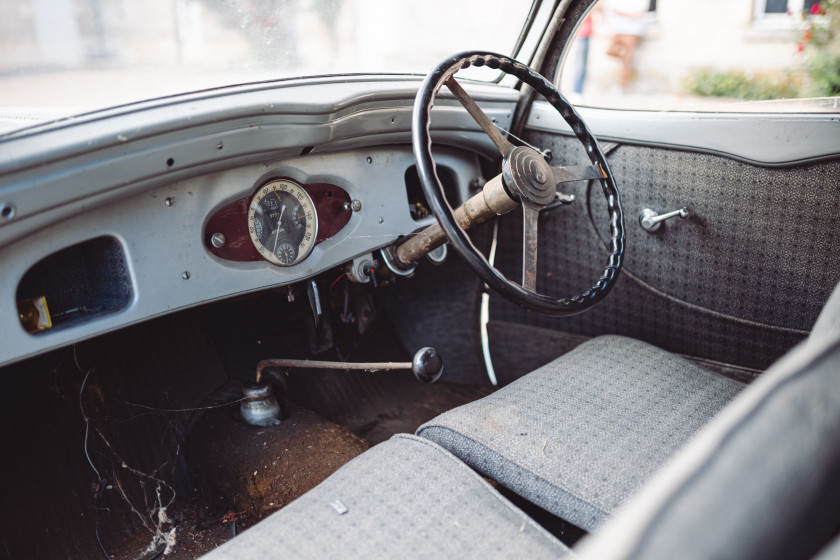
651 221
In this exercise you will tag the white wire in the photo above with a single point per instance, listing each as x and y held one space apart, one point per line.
484 315
87 422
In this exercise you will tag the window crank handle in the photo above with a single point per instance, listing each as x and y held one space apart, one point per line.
651 221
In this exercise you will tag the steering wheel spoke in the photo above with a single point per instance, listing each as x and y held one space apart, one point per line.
530 222
478 115
578 173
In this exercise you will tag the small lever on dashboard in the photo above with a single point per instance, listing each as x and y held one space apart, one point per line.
427 365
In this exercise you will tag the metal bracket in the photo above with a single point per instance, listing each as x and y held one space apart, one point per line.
390 261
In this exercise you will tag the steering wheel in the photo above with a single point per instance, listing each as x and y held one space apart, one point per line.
527 179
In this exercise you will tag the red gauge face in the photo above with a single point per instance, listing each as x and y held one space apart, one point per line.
282 222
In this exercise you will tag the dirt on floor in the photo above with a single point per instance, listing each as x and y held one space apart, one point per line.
253 471
198 530
243 474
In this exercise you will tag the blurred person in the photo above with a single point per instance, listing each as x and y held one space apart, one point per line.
328 13
628 26
584 33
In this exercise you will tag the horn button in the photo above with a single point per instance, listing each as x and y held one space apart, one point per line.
528 176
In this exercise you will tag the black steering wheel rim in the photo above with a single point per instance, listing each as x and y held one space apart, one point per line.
433 189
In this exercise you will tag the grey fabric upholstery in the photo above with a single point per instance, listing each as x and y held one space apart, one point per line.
828 322
581 434
725 284
406 497
831 551
762 480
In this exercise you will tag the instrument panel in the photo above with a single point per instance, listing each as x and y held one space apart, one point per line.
281 222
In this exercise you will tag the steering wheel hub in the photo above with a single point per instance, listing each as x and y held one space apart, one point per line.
528 177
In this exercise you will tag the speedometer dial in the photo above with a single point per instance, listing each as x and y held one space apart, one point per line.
282 222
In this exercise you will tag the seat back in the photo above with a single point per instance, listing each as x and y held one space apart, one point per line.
828 323
762 480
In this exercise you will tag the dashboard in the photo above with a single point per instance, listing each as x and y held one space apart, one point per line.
123 215
216 236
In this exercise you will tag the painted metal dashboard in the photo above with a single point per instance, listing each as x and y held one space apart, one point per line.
114 211
164 238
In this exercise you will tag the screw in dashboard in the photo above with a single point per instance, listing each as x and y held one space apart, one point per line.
218 240
357 205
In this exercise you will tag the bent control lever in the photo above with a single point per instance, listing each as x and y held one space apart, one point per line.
427 365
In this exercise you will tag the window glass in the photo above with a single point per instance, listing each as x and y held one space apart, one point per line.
775 6
782 6
707 55
89 54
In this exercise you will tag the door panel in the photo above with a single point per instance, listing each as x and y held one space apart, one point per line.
741 280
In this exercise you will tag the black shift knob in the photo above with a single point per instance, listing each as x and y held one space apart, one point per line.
427 365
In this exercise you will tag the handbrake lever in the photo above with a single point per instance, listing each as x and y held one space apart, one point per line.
427 365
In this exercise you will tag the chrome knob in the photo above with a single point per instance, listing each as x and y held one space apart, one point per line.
651 221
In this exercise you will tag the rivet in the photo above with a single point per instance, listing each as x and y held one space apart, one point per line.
186 275
357 205
169 201
7 211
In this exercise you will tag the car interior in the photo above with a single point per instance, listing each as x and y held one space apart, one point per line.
382 315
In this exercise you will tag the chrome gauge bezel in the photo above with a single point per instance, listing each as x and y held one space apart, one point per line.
272 188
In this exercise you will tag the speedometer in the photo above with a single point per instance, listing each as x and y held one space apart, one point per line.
282 222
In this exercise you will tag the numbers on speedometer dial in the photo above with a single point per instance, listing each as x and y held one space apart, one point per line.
282 222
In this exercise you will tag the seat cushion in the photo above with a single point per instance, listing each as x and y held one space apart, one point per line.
406 496
761 480
582 433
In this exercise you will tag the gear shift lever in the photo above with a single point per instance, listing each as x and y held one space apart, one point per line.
427 365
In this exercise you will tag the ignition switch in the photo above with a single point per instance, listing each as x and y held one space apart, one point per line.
361 270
